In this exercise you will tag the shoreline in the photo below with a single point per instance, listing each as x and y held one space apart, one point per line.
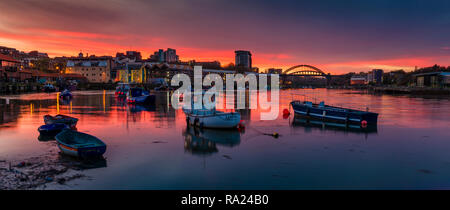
36 172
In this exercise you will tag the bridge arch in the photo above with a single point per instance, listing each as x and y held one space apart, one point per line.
304 69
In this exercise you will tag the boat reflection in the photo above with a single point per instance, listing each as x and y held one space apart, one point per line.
310 125
82 164
205 141
45 138
141 108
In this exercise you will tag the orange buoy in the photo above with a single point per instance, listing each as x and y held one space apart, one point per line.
364 123
286 112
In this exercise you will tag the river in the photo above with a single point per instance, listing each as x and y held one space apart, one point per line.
152 148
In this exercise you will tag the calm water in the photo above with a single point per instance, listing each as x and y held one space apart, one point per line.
151 148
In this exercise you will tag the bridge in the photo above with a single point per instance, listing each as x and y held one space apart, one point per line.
303 70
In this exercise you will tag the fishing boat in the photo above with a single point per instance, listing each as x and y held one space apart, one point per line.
206 118
64 119
49 88
122 89
79 144
52 129
334 114
140 96
211 118
66 94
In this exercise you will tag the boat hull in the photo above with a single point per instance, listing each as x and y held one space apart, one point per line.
146 99
222 120
339 115
52 130
80 144
82 152
61 119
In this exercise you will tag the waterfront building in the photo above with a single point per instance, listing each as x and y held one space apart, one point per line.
375 76
95 69
243 59
10 69
432 79
358 80
130 73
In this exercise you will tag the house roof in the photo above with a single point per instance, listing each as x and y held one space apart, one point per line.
8 58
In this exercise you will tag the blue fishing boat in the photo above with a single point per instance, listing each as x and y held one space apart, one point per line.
64 119
52 129
140 96
49 88
79 144
66 94
334 114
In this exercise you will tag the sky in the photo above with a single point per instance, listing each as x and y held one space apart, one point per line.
337 36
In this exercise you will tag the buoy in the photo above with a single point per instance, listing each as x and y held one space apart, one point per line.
364 123
286 112
241 124
275 134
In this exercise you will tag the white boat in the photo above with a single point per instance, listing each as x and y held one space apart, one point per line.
211 118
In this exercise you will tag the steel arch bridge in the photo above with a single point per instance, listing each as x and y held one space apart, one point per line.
304 70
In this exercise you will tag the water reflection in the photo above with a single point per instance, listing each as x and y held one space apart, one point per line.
204 141
411 133
82 164
311 125
141 108
45 138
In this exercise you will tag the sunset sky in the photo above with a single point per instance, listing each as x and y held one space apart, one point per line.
336 36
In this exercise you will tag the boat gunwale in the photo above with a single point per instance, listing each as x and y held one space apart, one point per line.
332 108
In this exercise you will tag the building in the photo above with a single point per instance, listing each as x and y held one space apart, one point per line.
205 64
171 56
8 51
9 68
168 56
358 80
95 69
134 55
274 71
243 59
375 76
130 73
432 79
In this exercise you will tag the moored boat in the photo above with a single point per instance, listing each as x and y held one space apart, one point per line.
49 88
210 118
140 96
52 129
334 114
66 94
64 119
79 144
122 89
